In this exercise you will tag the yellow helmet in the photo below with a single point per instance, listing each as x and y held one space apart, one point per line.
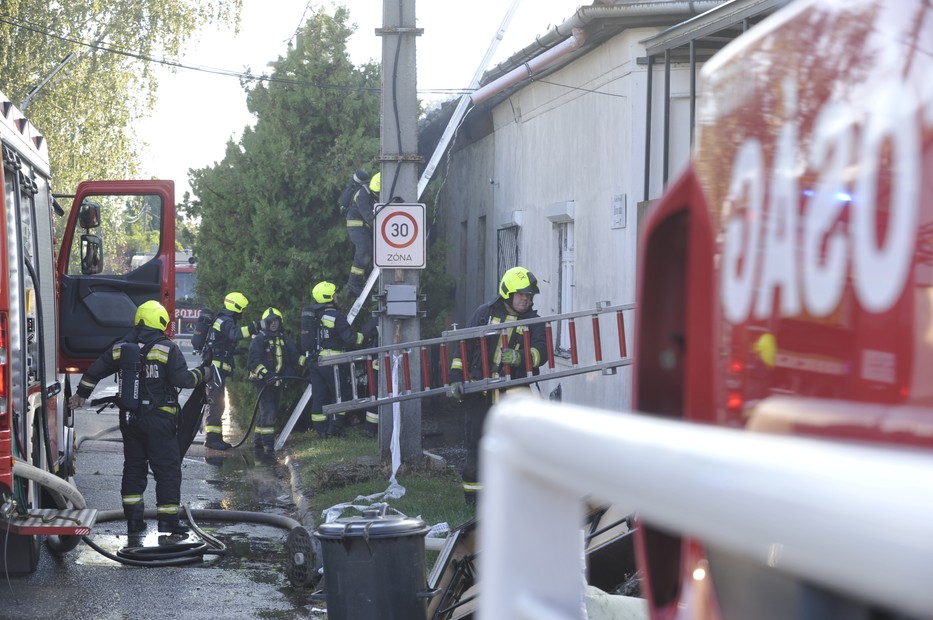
518 280
766 348
269 315
236 302
375 183
152 314
323 292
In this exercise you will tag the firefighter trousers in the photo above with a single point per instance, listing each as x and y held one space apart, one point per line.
324 392
268 411
362 239
150 441
475 408
216 403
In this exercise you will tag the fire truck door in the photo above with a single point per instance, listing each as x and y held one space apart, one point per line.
107 270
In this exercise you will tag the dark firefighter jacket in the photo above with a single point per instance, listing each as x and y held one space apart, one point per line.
328 331
361 208
271 354
164 372
493 313
224 335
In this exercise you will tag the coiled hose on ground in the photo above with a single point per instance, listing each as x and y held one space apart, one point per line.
302 557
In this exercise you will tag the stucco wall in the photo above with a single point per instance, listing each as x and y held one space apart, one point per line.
572 143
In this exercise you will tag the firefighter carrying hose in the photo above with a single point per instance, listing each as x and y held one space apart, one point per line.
218 352
153 368
271 355
360 230
514 303
325 331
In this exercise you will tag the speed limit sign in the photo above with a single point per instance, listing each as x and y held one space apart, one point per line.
398 236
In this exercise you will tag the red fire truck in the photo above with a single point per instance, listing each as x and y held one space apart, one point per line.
790 272
69 289
187 308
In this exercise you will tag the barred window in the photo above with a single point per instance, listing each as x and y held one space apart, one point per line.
509 249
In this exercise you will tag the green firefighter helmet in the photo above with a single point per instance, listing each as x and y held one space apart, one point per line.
235 302
323 292
518 280
152 314
375 183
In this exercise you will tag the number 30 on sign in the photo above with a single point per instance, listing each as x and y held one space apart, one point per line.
398 236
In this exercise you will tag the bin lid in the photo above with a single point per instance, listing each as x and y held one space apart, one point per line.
373 526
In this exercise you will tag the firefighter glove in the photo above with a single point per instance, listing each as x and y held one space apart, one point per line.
509 357
371 328
456 390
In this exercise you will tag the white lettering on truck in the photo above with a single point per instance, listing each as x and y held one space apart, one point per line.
808 257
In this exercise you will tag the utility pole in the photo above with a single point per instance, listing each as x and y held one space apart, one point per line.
399 163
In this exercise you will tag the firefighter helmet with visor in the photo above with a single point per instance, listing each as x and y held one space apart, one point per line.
323 292
152 314
270 315
518 280
235 302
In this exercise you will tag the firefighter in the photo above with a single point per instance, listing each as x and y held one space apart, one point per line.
360 230
271 355
325 331
149 430
514 302
220 348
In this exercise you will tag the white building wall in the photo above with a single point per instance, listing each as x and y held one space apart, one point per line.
569 145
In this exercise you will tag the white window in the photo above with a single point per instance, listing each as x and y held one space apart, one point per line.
565 282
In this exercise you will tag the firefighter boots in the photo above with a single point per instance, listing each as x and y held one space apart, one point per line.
174 527
215 441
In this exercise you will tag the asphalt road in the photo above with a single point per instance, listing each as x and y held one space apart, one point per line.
248 581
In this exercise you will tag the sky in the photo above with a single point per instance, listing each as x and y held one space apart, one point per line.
198 112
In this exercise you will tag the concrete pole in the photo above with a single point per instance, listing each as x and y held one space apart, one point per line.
399 168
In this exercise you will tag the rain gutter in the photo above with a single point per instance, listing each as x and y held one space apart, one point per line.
571 35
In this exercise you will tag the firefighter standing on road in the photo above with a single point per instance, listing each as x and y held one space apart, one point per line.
220 347
271 355
360 230
325 331
514 303
150 431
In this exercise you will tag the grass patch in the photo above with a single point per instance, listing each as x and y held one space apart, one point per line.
340 469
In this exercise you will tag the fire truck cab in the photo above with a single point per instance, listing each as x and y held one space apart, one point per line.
786 279
779 459
68 291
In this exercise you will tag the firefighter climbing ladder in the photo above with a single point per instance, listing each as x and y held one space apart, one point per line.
397 359
426 175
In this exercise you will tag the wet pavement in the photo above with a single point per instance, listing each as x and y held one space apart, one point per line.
250 579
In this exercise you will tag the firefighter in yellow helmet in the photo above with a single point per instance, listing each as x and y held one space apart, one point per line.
360 217
513 303
148 422
218 352
271 355
326 331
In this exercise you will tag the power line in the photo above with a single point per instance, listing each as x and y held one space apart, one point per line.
179 65
246 76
